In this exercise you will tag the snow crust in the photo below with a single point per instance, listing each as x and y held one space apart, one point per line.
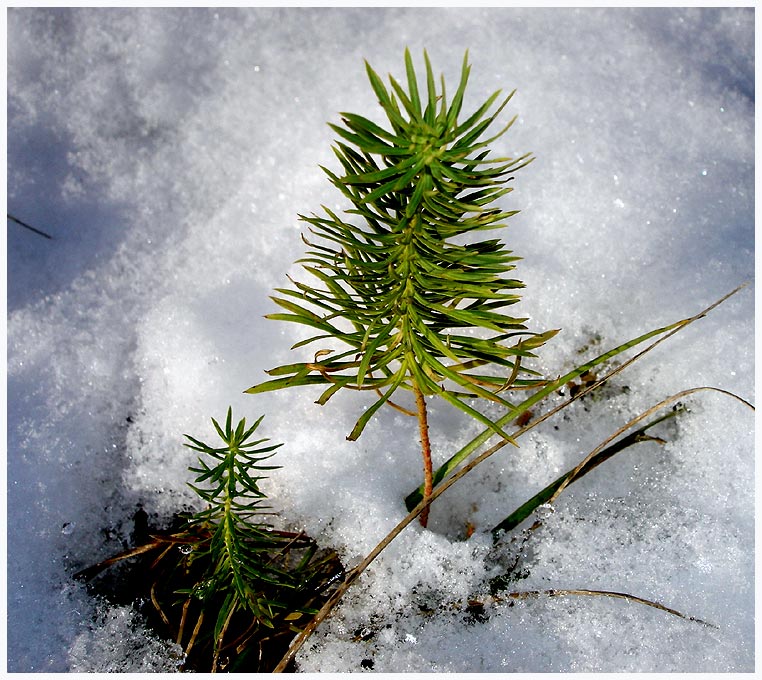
169 152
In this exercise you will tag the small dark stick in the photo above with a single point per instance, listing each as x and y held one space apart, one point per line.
27 226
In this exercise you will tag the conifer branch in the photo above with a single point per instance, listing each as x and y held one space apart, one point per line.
405 281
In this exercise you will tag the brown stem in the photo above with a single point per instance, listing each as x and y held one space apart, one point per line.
194 635
218 642
184 616
522 595
428 471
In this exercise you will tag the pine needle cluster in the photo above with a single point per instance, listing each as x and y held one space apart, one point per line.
226 585
243 567
401 283
234 500
415 306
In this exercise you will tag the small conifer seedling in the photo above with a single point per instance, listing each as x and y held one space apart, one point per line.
403 282
227 586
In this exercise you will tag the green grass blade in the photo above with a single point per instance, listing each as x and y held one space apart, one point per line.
415 497
525 510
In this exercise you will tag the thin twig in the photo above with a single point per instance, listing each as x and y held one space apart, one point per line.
194 635
554 592
28 226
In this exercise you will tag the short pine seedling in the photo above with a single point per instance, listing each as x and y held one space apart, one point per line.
238 539
227 586
415 301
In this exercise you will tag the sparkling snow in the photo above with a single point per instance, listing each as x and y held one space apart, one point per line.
168 153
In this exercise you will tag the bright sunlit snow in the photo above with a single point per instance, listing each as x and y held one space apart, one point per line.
168 153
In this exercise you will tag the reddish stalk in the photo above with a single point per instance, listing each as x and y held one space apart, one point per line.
428 471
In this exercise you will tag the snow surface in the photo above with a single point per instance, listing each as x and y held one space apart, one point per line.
168 152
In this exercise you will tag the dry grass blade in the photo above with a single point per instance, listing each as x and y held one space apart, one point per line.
183 618
635 421
631 360
350 578
158 608
91 572
195 633
543 496
522 595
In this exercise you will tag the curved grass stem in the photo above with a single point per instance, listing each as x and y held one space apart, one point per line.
353 574
542 497
554 592
665 402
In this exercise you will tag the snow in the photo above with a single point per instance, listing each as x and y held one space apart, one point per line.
168 153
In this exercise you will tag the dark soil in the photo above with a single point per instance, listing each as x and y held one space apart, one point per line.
158 579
